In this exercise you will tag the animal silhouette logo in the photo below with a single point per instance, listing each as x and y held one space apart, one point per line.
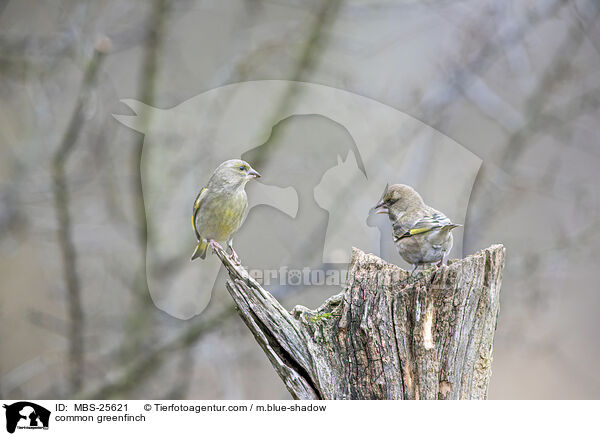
325 158
26 415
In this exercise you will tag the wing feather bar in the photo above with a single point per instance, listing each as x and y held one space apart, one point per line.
197 204
426 224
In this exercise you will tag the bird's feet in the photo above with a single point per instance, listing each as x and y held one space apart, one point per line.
234 256
215 245
443 261
415 267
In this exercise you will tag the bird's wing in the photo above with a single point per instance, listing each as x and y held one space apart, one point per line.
423 223
197 204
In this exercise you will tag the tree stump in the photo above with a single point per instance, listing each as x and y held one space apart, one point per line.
387 335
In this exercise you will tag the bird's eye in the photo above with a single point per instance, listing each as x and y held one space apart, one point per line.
242 168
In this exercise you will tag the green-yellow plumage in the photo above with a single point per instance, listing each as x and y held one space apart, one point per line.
421 230
221 206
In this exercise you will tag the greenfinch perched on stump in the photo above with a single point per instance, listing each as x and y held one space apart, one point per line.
220 207
421 233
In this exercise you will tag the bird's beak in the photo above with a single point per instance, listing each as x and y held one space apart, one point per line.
253 174
380 208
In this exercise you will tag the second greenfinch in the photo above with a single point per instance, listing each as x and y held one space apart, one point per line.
422 234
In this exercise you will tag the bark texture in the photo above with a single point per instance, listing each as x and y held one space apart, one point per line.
386 335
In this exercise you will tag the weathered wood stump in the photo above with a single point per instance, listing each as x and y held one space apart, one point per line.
387 335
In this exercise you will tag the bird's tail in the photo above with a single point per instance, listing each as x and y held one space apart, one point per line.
200 251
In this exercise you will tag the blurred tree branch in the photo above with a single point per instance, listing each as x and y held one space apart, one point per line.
311 49
139 319
147 363
489 196
465 72
147 95
61 204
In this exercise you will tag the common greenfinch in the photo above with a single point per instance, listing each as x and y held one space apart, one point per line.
422 234
221 206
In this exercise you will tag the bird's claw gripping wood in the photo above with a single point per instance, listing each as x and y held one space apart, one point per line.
234 257
215 245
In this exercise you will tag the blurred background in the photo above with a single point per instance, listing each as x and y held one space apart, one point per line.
498 100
